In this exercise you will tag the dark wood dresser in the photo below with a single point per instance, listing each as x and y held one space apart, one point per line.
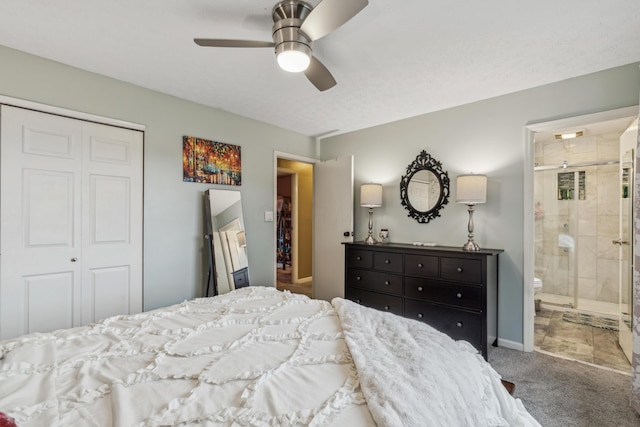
241 278
450 289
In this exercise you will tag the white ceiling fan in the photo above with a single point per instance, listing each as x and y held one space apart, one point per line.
296 26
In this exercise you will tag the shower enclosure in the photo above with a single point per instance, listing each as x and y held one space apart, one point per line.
577 218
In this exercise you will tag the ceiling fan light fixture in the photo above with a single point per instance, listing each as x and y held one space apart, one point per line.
294 57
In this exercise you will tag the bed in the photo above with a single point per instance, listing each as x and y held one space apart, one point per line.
253 357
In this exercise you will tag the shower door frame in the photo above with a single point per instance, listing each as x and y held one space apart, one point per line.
626 241
529 227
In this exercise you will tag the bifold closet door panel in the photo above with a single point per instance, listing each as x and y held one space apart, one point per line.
53 203
41 166
112 226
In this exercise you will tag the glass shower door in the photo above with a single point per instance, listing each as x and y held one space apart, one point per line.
557 192
569 193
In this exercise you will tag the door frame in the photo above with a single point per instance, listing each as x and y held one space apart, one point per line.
528 220
294 239
45 108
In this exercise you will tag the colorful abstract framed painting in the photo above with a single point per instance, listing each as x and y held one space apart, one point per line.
210 162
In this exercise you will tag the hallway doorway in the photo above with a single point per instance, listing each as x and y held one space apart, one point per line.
294 226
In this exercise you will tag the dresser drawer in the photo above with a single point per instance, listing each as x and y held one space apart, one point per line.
359 258
464 296
241 278
387 261
464 270
457 323
375 281
375 300
421 265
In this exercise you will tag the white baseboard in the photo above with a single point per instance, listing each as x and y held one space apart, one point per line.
510 344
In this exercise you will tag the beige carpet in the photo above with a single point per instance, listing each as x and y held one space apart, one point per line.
563 393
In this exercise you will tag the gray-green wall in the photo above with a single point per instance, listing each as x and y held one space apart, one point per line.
173 212
483 137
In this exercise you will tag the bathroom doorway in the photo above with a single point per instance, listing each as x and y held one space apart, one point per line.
582 197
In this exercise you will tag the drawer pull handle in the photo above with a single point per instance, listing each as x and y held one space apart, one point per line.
459 269
420 316
419 288
459 295
358 301
359 258
386 282
358 278
386 307
459 324
387 261
420 265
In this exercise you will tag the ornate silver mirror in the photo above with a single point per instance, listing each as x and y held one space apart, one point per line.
424 190
224 222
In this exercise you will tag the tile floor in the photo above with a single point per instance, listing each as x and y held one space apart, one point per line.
580 342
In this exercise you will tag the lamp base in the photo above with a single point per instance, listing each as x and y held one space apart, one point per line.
470 246
370 239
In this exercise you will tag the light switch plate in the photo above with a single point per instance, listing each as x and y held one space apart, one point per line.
268 216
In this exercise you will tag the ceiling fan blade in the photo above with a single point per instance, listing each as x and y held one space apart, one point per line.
232 43
328 15
319 76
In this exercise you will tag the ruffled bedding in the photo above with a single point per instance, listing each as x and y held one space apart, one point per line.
253 357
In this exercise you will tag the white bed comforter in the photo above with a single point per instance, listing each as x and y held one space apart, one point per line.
255 357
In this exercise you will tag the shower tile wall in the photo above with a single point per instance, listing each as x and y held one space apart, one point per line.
597 221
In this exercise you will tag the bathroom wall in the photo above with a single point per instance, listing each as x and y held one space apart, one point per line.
578 233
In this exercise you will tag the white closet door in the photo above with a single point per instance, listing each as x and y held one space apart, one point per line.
332 224
70 197
112 222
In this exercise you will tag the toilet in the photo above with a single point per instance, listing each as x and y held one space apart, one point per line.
537 287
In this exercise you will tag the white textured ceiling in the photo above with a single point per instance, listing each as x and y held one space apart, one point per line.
395 59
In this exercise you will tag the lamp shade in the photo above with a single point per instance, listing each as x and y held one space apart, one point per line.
371 195
471 189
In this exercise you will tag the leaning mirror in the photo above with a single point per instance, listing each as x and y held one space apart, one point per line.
226 241
424 189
